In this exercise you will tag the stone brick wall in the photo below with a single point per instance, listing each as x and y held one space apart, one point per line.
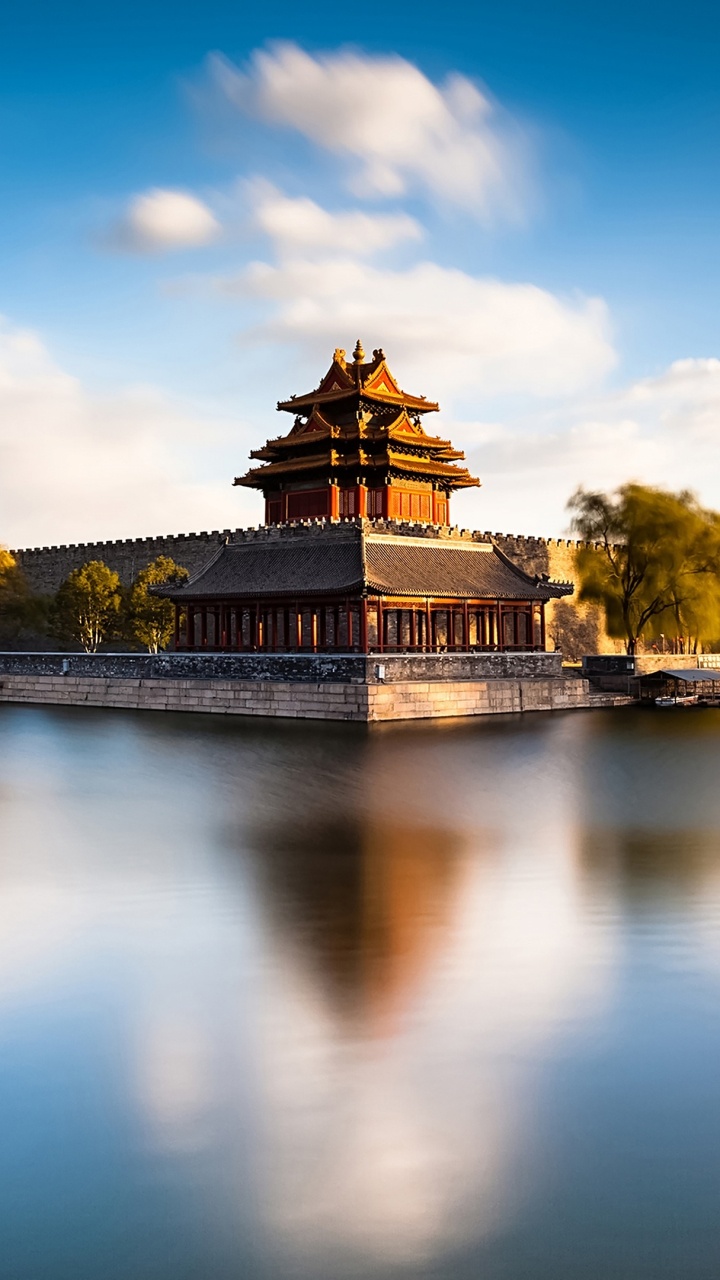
47 567
572 627
293 668
360 702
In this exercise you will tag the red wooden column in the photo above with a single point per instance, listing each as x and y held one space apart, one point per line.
413 630
203 626
380 625
334 502
177 626
466 627
362 500
542 626
258 625
348 624
428 628
363 626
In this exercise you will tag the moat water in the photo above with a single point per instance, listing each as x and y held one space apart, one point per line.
313 1003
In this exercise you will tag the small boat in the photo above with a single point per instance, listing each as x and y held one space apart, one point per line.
690 700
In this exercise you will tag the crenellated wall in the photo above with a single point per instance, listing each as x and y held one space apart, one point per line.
575 628
45 568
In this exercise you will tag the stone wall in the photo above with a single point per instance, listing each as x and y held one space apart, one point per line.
293 668
362 702
45 568
572 627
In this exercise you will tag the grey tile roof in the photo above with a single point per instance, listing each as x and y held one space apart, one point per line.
389 565
315 567
415 567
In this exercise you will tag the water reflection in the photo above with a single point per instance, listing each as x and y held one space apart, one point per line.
367 904
317 1003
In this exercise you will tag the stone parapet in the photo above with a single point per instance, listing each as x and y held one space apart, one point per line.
288 667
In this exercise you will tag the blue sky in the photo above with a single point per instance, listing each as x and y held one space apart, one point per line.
519 202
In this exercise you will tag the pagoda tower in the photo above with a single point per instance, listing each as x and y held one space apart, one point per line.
357 448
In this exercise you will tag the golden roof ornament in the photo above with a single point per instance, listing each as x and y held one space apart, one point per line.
358 353
339 356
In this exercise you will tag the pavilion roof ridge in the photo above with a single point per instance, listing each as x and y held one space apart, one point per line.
372 378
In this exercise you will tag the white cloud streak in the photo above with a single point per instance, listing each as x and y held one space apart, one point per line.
463 333
158 221
663 430
300 226
397 129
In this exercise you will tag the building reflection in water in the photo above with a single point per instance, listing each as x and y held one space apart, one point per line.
427 933
366 902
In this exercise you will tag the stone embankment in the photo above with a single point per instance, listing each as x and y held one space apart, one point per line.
320 687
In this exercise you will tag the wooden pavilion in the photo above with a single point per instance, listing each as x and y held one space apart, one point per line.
357 448
356 554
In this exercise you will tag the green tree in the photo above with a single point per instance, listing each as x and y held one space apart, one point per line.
151 617
87 606
15 599
652 562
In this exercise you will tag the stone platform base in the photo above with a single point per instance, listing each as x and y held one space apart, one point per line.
365 702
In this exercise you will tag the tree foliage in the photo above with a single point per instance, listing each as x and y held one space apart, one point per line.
87 606
653 563
15 599
151 618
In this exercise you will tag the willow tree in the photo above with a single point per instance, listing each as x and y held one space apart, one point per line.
87 606
652 562
151 617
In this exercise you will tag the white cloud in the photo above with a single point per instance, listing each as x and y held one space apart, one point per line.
447 332
302 226
76 466
382 112
663 430
161 220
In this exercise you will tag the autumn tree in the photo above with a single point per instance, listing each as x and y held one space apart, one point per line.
16 602
87 606
652 562
151 617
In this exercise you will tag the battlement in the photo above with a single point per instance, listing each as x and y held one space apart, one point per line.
47 567
160 544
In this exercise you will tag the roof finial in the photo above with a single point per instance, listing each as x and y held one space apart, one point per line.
358 353
339 356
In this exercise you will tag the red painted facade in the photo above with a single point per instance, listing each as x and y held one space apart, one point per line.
358 448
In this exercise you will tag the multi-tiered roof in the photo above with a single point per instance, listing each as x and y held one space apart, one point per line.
358 427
